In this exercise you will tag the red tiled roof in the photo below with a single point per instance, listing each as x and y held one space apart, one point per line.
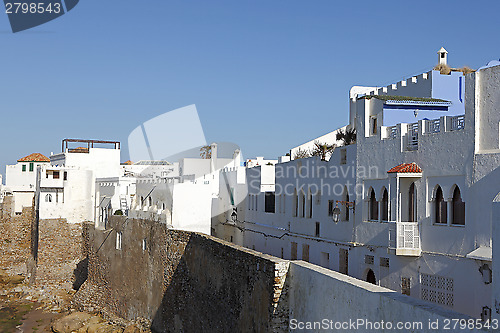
35 157
406 168
129 162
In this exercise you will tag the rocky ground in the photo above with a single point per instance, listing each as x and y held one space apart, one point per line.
42 302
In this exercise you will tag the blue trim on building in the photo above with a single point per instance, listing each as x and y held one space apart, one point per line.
416 107
460 89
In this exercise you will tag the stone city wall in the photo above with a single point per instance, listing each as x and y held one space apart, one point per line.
181 281
189 282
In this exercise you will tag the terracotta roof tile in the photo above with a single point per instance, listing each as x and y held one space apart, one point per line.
35 157
406 168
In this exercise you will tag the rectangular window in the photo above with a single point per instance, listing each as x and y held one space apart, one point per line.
317 231
55 175
343 156
65 175
305 252
331 206
32 167
374 125
118 240
23 167
369 260
384 262
344 261
270 202
325 259
293 251
405 286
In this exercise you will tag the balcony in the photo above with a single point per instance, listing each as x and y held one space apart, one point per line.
457 123
412 136
53 183
392 132
404 237
433 126
412 133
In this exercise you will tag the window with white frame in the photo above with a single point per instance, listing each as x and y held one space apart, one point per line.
118 240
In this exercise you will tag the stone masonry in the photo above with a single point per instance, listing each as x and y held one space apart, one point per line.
181 281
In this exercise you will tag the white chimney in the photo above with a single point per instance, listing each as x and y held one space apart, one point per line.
213 158
443 56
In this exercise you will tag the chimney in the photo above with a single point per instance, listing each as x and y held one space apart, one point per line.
236 158
442 56
213 158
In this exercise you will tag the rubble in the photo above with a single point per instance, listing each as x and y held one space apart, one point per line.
49 289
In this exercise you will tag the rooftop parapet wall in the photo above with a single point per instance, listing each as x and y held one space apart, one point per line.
416 86
431 84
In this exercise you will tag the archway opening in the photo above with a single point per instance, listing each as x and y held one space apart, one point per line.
370 277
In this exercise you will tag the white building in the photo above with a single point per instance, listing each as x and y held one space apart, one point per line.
414 192
259 160
151 169
20 179
328 138
181 194
2 189
66 187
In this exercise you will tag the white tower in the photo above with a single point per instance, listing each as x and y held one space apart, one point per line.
443 56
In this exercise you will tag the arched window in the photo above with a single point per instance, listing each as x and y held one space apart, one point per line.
440 207
385 205
346 208
310 198
458 208
412 207
295 203
163 206
150 202
373 206
141 203
370 277
303 204
48 198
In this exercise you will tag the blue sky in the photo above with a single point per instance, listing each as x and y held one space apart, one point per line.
267 75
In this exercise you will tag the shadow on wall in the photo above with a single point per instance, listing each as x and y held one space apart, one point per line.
181 281
205 295
80 273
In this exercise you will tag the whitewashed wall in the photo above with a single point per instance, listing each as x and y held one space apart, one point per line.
318 295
